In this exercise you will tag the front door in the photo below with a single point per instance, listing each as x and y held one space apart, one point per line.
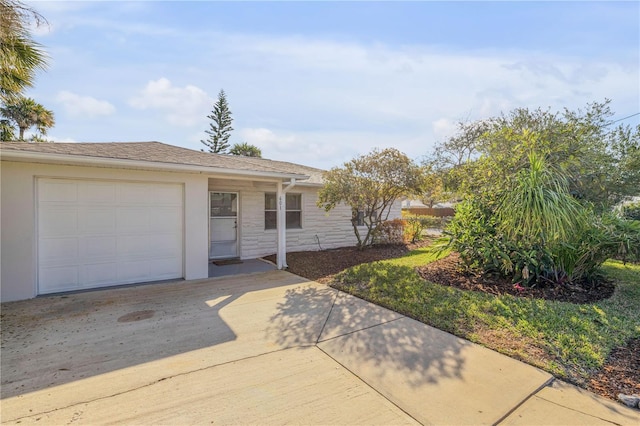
223 225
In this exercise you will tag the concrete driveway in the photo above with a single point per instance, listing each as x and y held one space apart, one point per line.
268 348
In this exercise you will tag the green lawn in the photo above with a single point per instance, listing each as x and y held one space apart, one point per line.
570 341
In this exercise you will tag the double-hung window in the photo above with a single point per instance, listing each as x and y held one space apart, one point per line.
293 206
358 217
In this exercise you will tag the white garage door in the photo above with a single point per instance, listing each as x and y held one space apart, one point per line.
101 233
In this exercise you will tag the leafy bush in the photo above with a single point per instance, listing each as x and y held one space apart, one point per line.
390 232
472 233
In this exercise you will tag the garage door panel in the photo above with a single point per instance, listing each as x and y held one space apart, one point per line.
163 215
59 249
92 275
164 267
58 221
60 278
100 193
58 191
135 245
99 233
99 247
133 270
166 245
171 196
132 220
134 194
100 220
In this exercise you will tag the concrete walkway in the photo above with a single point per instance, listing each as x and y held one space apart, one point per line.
267 348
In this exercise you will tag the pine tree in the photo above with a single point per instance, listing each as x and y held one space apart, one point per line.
220 126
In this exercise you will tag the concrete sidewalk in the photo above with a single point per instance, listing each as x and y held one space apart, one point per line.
268 348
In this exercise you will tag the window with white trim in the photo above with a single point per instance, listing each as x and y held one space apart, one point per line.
293 207
357 217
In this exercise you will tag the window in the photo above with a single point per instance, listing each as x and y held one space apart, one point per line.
293 211
358 217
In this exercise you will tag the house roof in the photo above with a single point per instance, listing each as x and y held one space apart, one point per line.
158 154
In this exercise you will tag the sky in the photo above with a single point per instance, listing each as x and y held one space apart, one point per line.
319 83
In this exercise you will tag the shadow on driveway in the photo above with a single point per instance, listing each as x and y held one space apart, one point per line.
369 334
55 340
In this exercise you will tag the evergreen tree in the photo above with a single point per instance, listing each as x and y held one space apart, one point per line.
220 126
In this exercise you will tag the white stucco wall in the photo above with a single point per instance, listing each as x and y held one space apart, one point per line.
18 252
320 229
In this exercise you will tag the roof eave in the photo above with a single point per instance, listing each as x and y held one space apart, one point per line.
79 160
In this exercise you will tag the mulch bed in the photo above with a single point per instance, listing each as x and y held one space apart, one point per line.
321 265
449 271
620 373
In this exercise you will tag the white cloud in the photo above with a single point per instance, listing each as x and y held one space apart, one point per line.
443 128
59 139
263 138
84 106
311 99
184 106
325 148
51 138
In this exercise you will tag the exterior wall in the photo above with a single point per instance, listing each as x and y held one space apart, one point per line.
320 229
18 251
18 199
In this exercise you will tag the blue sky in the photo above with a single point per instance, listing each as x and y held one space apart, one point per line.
321 82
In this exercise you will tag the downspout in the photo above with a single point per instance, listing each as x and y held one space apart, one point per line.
281 223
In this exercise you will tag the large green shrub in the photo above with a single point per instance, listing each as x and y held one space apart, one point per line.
538 232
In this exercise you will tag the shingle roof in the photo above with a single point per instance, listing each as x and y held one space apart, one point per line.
157 152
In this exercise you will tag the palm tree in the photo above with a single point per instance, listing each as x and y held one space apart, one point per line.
26 113
20 55
246 150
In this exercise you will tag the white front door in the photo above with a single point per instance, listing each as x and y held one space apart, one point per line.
223 225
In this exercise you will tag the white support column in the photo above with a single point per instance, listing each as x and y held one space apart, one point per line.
281 226
281 222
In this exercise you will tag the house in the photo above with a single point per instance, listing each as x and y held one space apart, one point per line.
86 215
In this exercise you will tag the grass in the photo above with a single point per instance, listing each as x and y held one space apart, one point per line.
568 340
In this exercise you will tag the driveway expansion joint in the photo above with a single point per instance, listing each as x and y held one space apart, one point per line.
367 384
578 411
527 398
361 329
161 379
326 320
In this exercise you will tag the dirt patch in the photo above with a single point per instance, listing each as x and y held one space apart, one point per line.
620 374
